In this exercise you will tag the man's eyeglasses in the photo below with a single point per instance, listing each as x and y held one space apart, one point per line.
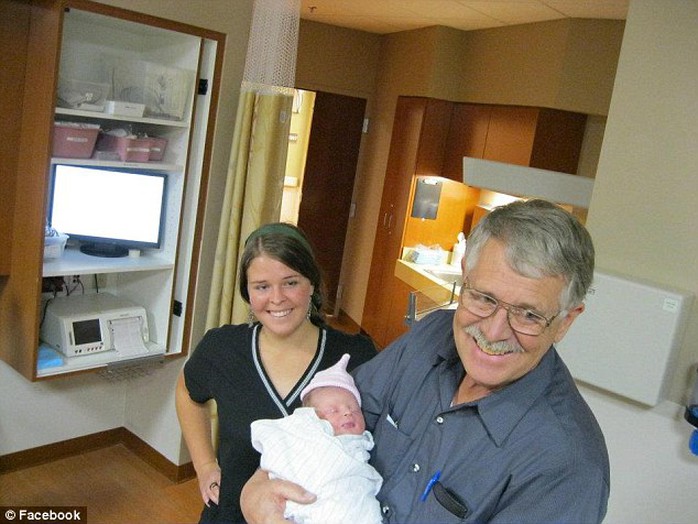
521 320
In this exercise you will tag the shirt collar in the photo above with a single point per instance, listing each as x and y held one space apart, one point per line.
502 410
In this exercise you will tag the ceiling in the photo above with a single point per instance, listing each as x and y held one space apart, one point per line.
389 16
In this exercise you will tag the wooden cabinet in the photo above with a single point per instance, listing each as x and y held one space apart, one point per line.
420 128
535 137
13 28
467 136
431 137
75 40
527 136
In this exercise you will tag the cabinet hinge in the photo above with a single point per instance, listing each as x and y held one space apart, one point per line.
203 86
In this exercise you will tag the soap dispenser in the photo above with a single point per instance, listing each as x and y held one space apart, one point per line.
458 250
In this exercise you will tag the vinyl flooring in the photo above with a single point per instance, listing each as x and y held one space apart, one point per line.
113 483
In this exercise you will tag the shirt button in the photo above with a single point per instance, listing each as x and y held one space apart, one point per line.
439 420
415 468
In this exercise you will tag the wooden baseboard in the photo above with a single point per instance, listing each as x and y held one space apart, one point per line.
156 460
58 450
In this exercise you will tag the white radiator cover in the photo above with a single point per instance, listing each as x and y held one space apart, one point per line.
628 336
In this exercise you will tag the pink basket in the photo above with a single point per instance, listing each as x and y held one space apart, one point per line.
74 140
128 149
157 148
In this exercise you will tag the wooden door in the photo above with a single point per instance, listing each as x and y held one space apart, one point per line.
417 146
328 182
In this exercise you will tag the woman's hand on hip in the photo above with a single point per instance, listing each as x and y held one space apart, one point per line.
210 482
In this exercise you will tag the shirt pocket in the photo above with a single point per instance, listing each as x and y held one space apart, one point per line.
444 506
391 446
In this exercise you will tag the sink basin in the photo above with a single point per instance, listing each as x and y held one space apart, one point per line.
445 274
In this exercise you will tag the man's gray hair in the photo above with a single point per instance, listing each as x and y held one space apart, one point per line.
541 240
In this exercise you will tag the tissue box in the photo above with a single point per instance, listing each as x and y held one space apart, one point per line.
73 140
128 149
427 256
54 246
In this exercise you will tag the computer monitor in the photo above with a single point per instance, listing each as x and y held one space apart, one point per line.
108 210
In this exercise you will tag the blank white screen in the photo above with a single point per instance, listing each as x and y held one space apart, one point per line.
107 204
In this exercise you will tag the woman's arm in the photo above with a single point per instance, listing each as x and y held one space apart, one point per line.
195 421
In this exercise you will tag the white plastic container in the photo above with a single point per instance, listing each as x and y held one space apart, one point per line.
54 246
117 107
458 250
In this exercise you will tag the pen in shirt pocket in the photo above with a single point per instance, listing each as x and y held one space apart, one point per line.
433 480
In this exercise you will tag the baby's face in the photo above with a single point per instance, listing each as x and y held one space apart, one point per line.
339 408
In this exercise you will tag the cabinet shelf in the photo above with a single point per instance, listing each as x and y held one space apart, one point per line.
73 262
96 115
153 166
94 361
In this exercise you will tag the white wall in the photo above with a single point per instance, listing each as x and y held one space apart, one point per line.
34 414
643 218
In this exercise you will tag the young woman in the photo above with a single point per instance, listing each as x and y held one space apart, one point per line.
258 370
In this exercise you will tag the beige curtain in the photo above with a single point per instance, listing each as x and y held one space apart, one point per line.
254 184
253 194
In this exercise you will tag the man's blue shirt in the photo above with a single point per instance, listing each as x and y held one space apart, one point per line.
530 452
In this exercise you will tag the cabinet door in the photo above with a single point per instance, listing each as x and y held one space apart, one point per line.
407 126
431 148
535 137
400 296
466 137
420 128
558 140
14 23
32 45
511 134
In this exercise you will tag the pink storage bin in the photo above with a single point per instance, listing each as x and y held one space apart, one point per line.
73 140
157 148
128 149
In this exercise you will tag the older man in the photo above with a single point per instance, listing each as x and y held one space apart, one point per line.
475 416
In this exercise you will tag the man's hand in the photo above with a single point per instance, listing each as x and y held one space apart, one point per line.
263 500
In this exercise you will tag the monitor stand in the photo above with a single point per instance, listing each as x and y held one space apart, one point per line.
105 250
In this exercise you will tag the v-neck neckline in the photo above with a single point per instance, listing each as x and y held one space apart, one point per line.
284 404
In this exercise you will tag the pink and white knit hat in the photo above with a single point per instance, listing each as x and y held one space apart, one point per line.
335 376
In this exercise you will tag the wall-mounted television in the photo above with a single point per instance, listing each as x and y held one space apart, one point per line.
108 210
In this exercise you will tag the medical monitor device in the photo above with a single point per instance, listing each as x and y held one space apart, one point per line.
79 325
109 210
